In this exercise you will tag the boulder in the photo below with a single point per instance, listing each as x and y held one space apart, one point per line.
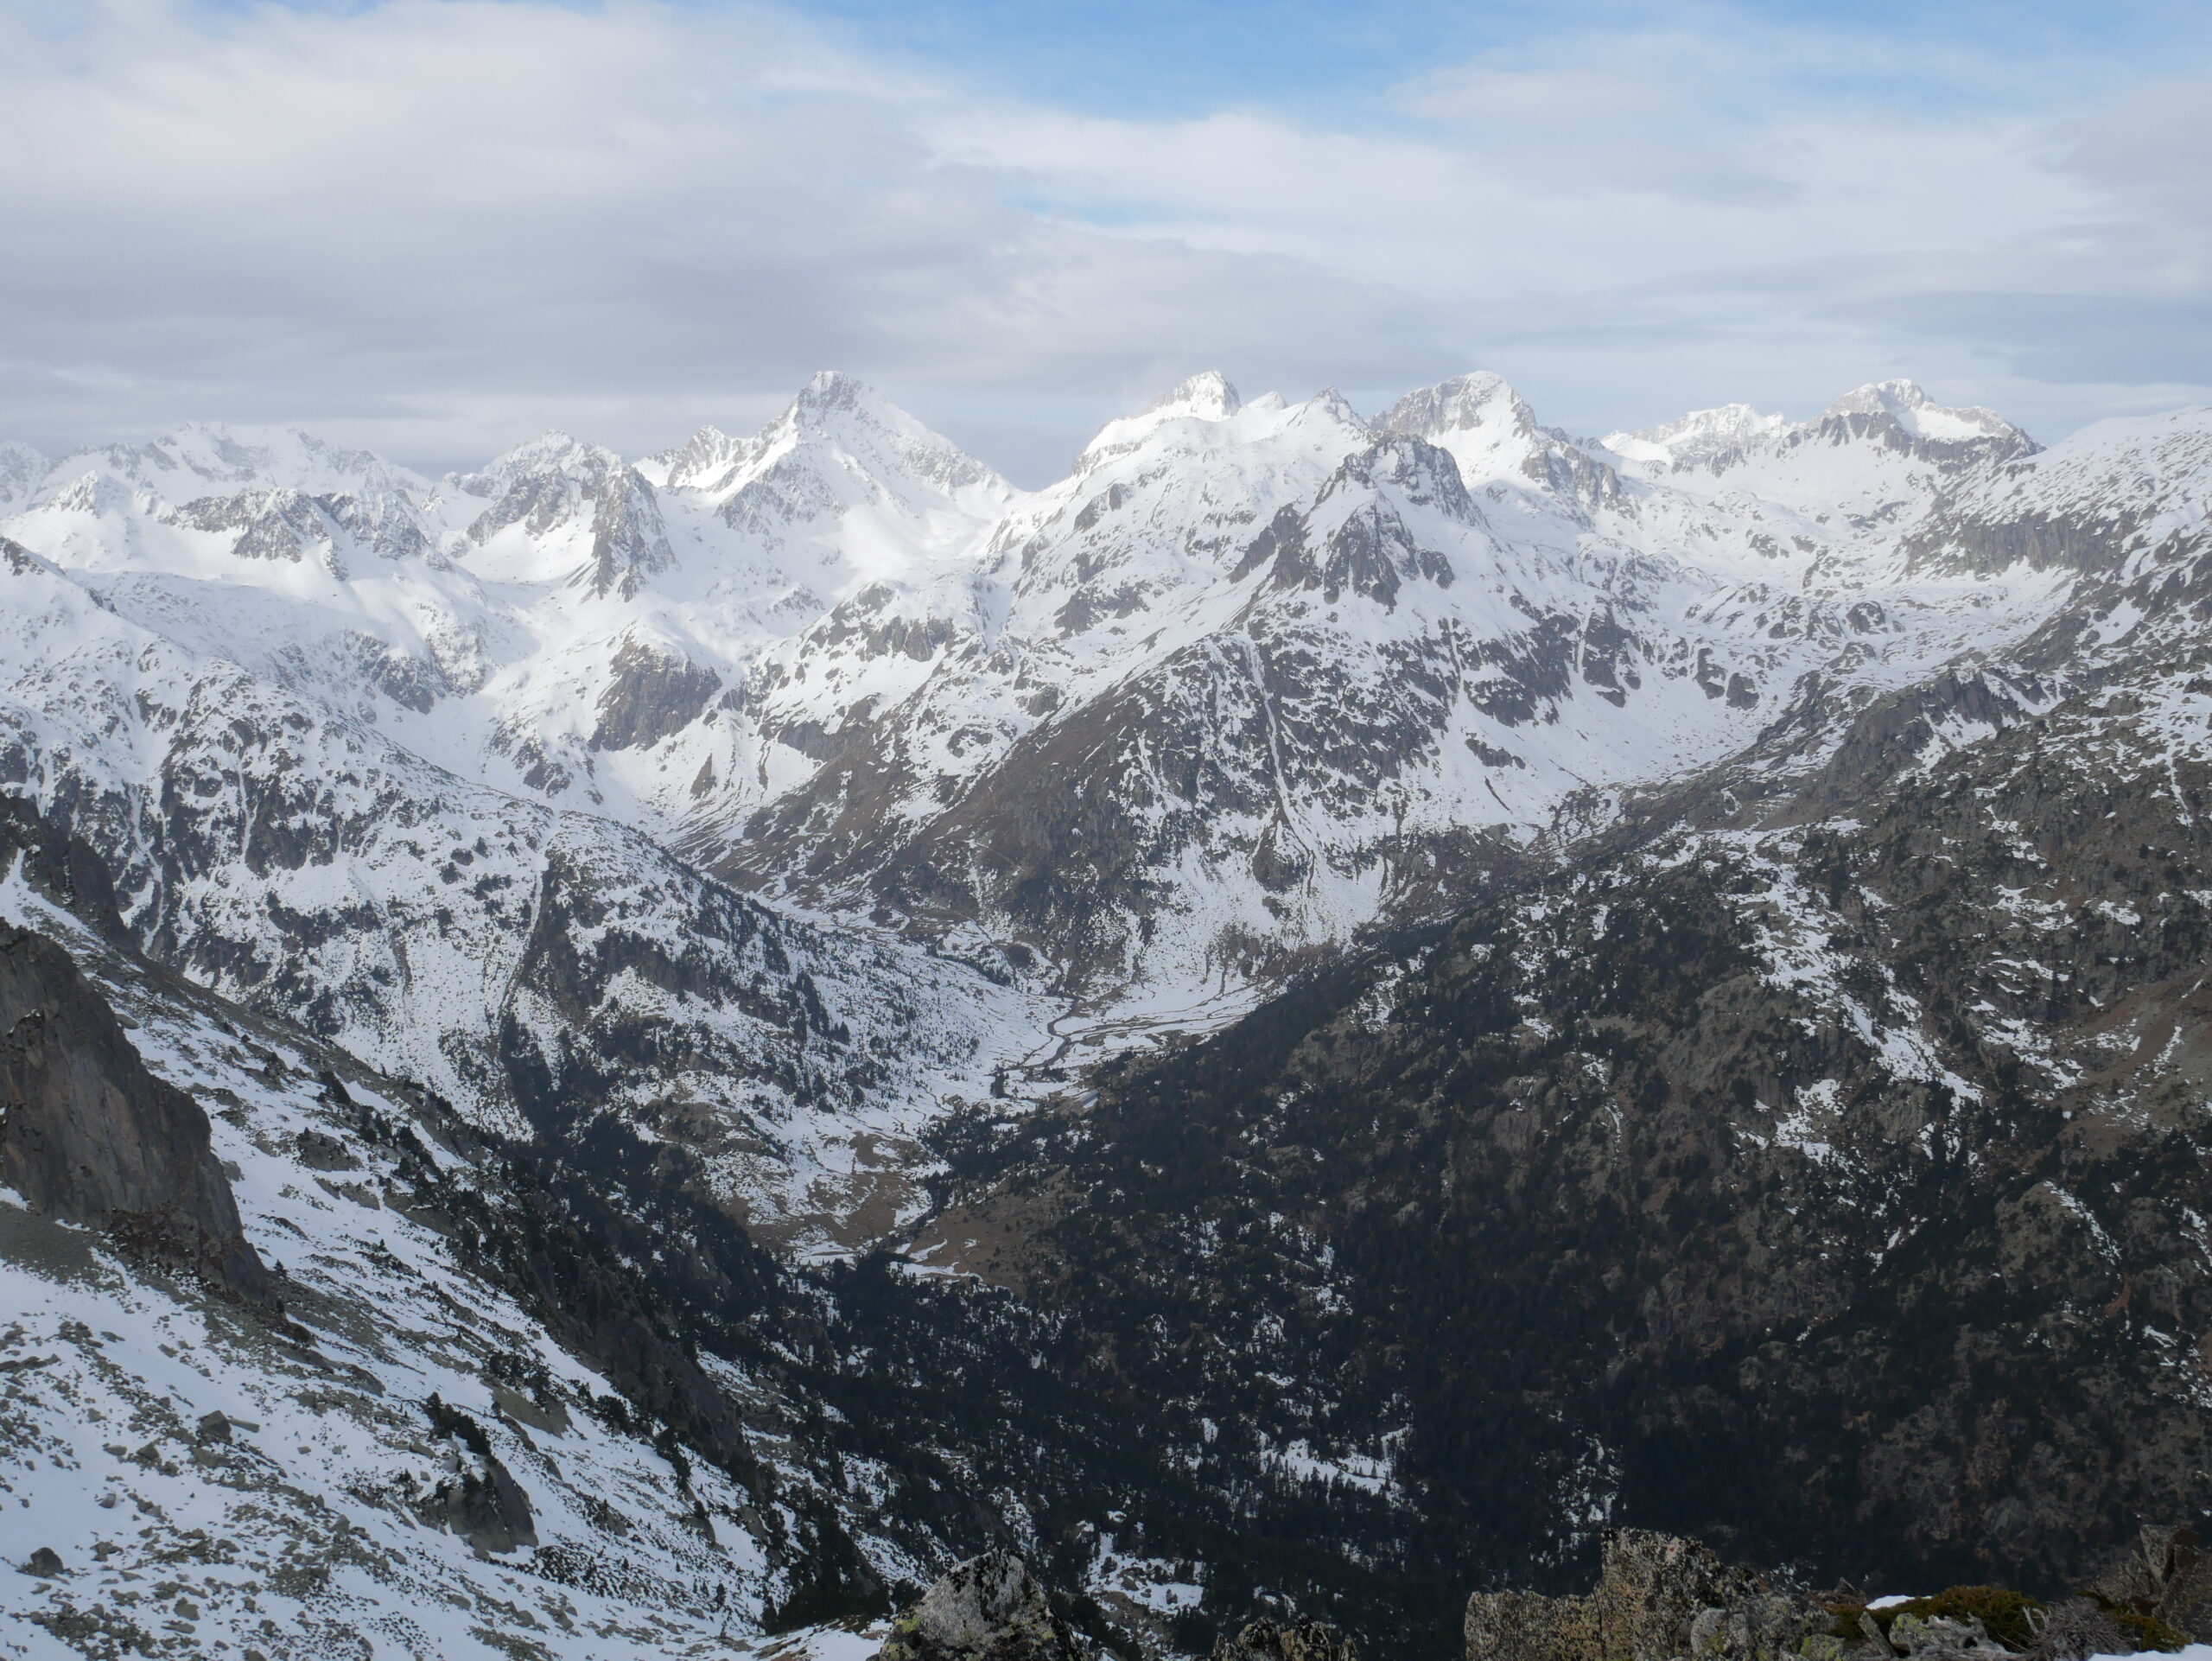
990 1608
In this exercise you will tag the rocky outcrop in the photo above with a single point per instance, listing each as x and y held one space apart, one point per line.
652 696
990 1608
1662 1598
1658 1596
1301 1640
486 1508
2165 1577
479 1497
89 1135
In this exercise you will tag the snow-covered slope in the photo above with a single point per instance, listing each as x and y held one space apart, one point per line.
512 1404
1255 675
533 964
209 1476
730 816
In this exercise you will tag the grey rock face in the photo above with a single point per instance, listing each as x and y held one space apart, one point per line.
1934 1639
91 1136
479 1497
653 695
556 481
990 1608
489 1510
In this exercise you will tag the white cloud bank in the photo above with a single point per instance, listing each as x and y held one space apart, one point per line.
437 227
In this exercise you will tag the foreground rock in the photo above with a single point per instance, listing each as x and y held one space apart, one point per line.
990 1608
1303 1640
87 1135
1662 1597
2165 1577
1657 1596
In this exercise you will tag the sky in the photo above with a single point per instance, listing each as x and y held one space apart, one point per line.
439 227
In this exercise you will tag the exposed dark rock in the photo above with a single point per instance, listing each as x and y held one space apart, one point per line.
1660 1597
44 1562
488 1509
653 695
990 1608
479 1500
320 1151
555 481
91 1136
1823 1189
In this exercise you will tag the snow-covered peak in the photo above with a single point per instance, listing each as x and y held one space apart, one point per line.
829 392
1204 396
2153 458
208 459
837 410
1330 404
1701 435
21 469
1207 395
2127 486
1464 404
1401 466
1914 414
1480 421
551 451
569 498
699 462
852 485
837 427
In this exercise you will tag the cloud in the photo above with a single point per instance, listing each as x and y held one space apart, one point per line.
1707 204
410 219
439 226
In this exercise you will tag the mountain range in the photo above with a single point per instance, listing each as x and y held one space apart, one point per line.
1309 1012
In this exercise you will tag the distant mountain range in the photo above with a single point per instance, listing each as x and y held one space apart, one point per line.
812 839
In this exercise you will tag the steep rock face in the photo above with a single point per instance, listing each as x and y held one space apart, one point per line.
652 696
290 524
478 1498
547 1383
87 1135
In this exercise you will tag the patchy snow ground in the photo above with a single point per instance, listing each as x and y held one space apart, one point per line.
295 1524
